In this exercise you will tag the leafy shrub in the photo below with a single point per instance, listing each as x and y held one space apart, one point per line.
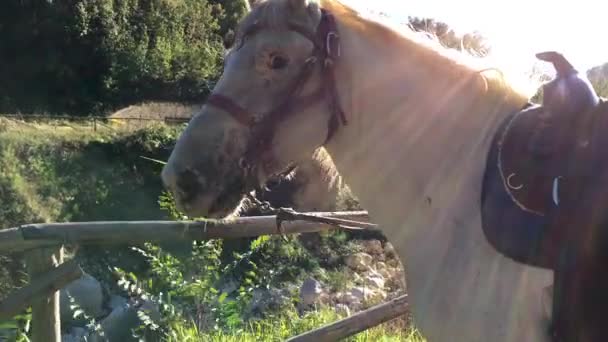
103 54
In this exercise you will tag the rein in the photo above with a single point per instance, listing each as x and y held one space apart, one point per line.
290 215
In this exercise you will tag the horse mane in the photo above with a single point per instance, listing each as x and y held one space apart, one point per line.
276 14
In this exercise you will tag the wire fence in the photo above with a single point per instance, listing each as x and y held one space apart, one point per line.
94 123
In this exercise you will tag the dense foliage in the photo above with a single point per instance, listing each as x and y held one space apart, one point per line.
89 56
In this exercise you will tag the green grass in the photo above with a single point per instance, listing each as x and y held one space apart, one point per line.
289 324
50 172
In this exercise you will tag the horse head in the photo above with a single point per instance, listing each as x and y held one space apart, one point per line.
274 104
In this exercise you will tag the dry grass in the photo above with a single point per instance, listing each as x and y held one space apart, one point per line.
158 110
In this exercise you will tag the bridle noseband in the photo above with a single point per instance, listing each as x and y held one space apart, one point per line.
326 50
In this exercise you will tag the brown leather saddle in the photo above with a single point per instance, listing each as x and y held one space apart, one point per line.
536 162
545 195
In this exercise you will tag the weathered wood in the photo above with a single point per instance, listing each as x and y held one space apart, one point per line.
48 234
43 286
46 322
356 323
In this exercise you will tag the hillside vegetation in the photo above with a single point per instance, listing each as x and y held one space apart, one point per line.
219 291
101 55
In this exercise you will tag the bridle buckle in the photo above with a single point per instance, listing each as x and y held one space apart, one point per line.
333 51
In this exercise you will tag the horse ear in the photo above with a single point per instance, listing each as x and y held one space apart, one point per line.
298 4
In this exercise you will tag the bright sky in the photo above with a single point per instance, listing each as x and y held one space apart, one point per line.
517 29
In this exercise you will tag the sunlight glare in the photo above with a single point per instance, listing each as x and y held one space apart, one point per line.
516 29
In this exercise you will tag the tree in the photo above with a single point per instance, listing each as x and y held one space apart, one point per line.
93 56
473 42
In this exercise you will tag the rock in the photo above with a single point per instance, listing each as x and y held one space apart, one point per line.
396 279
373 247
310 292
118 325
385 273
372 272
392 263
76 334
87 293
375 281
358 261
266 300
324 298
378 296
347 298
361 293
342 309
380 266
390 251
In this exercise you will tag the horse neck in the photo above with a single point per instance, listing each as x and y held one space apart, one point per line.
416 119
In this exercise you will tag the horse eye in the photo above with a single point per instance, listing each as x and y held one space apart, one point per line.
278 62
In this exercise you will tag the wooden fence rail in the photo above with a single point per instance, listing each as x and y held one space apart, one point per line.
31 236
43 246
356 323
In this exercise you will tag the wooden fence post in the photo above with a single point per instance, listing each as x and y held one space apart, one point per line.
46 322
56 278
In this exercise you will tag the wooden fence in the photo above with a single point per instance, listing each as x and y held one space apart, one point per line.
42 244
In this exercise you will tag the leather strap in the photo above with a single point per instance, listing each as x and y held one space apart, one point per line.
326 52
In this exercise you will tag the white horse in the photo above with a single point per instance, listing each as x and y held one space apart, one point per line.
408 125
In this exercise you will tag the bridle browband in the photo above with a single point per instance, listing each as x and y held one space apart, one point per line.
326 50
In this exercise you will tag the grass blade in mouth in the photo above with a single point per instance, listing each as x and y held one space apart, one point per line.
154 160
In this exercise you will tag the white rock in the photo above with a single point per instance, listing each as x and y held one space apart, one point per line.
375 281
342 309
357 279
87 293
361 293
358 261
348 298
378 296
385 273
117 326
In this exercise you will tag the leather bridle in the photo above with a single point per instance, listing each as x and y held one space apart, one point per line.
325 52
